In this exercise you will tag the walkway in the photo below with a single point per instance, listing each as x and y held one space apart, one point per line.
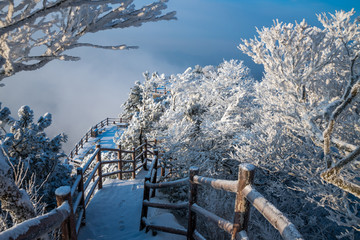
114 213
105 138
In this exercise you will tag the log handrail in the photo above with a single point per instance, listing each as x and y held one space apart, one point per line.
48 222
174 206
246 194
141 146
91 159
139 155
286 229
220 222
226 185
180 182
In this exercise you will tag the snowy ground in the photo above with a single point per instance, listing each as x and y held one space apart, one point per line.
114 213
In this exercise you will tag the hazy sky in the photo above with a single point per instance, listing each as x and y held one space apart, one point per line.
80 94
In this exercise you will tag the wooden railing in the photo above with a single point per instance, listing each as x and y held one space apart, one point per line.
160 91
93 132
245 192
73 201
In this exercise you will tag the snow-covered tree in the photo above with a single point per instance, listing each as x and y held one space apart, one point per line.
33 33
143 109
31 158
197 126
134 102
310 111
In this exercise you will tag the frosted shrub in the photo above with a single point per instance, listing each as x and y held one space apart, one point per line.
31 161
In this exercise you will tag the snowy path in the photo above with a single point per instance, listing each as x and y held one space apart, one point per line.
114 213
105 139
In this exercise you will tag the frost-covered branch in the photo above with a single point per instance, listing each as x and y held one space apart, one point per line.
348 98
332 175
50 28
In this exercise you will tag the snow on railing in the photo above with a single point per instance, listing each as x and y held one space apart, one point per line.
70 215
246 194
72 201
94 131
40 226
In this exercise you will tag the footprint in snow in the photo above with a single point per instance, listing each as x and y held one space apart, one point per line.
121 225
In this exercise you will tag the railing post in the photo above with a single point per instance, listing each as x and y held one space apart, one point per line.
156 152
145 154
81 191
81 143
98 159
162 168
107 121
76 149
119 163
68 227
120 120
192 199
242 205
134 162
142 155
144 210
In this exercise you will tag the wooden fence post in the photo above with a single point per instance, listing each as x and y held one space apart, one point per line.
162 170
162 167
98 159
156 152
242 205
192 199
145 154
134 162
81 191
146 196
142 149
68 227
119 163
